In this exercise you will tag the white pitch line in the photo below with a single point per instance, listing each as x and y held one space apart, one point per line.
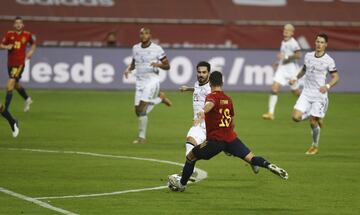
201 173
103 194
35 201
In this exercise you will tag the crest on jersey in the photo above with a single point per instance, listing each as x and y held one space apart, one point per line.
23 40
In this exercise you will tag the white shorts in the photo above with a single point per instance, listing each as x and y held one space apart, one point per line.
312 106
198 133
146 91
285 73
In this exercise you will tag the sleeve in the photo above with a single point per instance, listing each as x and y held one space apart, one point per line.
161 53
5 39
332 66
296 46
210 98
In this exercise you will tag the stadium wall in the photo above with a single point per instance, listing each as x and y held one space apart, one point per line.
101 68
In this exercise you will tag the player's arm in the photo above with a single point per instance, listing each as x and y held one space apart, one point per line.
207 107
186 89
8 47
129 68
333 81
31 51
292 58
164 64
298 76
4 44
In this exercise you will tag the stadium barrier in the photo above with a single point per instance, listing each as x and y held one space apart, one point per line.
102 68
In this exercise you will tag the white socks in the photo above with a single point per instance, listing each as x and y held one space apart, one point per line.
188 147
315 132
143 120
272 103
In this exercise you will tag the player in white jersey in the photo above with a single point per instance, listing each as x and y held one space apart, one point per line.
313 101
287 69
197 133
148 58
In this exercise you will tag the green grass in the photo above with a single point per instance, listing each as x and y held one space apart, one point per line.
104 122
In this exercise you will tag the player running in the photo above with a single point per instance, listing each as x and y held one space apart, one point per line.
16 42
313 102
148 58
12 122
287 68
218 113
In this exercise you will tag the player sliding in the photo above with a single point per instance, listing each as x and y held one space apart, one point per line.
218 114
313 102
15 42
287 68
148 58
12 122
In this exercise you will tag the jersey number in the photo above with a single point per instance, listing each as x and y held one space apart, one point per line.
17 45
225 117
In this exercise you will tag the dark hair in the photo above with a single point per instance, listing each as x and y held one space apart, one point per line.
216 79
323 35
204 63
18 18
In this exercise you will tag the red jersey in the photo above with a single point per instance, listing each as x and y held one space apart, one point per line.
17 55
219 120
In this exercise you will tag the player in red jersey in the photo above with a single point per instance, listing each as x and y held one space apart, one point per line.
16 43
218 113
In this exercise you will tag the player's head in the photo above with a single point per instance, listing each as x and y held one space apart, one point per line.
203 71
18 23
321 41
288 31
216 79
145 35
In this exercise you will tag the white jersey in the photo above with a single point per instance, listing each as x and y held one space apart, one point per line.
317 68
199 95
143 58
289 47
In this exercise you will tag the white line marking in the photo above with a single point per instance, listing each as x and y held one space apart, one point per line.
103 194
201 173
35 201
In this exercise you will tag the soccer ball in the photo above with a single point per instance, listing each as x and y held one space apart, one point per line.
170 184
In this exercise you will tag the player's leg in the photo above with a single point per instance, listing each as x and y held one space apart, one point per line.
301 109
318 110
14 75
21 90
204 151
12 122
145 100
165 99
273 98
195 136
141 113
315 135
239 149
9 92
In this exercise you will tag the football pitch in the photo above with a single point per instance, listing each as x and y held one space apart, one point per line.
75 155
